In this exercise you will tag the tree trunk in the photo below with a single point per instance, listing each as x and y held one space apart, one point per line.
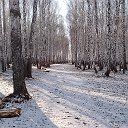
109 38
123 37
16 48
1 41
4 59
29 60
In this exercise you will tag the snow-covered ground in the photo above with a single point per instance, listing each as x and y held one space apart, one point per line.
69 98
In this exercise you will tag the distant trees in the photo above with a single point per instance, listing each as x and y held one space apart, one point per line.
51 42
98 32
43 35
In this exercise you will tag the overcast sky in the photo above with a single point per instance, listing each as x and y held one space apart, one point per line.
63 11
63 7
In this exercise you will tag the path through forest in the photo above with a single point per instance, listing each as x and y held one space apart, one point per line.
69 98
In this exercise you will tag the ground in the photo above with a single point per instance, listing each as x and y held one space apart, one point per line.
69 98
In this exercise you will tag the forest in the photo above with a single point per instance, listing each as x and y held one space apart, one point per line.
61 71
98 34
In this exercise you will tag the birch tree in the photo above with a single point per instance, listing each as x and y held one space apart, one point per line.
1 51
123 36
101 30
28 64
16 47
25 41
4 61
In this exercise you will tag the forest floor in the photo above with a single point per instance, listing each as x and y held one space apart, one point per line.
69 98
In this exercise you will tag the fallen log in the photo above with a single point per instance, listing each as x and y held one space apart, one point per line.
9 113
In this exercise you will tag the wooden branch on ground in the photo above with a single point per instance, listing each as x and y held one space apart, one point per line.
9 113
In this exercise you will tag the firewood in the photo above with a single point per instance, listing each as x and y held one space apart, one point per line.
9 113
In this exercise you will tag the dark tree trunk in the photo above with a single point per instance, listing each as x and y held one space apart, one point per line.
89 65
4 39
29 60
29 68
109 37
8 63
3 65
84 65
107 72
100 66
95 70
123 39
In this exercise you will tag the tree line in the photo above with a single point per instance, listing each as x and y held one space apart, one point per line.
98 34
43 34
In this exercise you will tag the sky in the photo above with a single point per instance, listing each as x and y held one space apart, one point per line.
63 7
63 10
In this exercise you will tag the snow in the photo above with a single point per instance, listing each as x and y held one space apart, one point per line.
69 98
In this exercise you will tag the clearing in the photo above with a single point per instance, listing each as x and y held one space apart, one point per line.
69 98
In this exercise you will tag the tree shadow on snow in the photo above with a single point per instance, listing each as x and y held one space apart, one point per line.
103 85
31 117
103 110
